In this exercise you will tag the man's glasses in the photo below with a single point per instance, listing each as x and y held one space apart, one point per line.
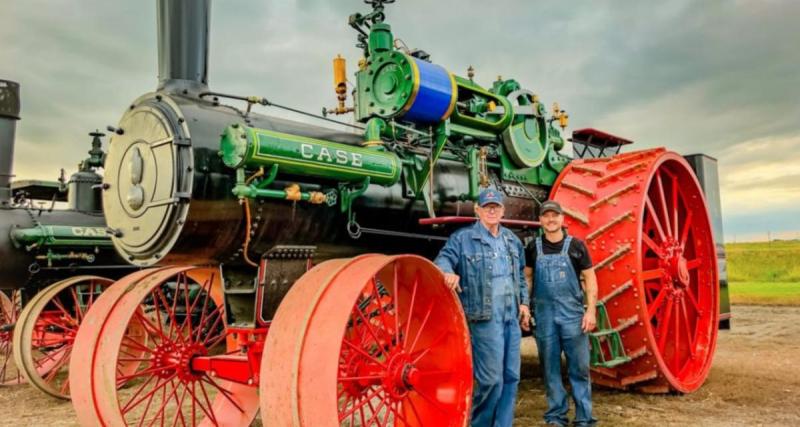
493 209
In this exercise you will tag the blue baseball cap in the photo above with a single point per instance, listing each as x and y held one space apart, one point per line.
490 195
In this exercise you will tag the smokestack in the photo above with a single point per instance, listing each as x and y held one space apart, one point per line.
9 114
183 27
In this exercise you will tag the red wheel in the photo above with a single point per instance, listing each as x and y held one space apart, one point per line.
9 313
372 340
46 329
161 321
645 221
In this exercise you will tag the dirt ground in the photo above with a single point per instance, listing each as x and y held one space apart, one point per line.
755 380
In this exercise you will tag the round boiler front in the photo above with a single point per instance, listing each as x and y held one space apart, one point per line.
148 180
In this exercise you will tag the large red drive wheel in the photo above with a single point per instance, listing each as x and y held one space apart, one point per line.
372 340
9 313
46 329
645 221
138 352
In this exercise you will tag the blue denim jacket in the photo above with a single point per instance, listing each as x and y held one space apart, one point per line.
466 253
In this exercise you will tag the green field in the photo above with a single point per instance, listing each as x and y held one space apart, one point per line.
764 273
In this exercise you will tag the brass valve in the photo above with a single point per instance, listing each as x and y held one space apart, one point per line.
340 86
561 116
293 192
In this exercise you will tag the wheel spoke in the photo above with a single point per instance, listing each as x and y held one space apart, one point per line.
657 302
687 225
413 409
137 393
369 395
689 335
361 378
160 383
652 245
654 218
165 399
418 356
375 415
663 325
654 274
173 323
50 355
421 327
197 402
396 302
667 217
224 392
202 320
60 364
677 341
69 317
397 414
362 352
368 327
377 296
691 265
675 210
411 308
179 404
693 300
210 412
154 331
78 312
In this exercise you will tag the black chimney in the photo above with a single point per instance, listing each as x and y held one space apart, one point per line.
9 114
183 44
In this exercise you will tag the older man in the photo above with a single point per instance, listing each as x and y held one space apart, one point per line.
485 264
559 264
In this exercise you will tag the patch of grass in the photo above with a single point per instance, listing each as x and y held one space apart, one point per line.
765 293
764 262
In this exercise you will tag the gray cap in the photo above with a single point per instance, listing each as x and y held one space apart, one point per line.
550 205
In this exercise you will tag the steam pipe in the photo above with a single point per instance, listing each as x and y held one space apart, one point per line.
183 36
9 114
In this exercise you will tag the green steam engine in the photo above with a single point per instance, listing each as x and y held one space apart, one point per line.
296 221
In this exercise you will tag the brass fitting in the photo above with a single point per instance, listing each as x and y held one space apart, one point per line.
483 170
560 115
293 192
340 86
317 197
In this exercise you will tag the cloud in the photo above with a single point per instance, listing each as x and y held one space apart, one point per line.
715 77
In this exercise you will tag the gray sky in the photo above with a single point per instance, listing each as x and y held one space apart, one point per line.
718 77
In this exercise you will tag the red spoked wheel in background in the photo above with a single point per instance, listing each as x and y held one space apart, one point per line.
161 319
9 312
46 330
645 221
372 340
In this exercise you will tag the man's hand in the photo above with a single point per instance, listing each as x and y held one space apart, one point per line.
525 318
589 321
451 280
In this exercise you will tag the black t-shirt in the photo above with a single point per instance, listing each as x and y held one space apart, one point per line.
578 254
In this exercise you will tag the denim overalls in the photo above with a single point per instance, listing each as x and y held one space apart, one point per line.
559 311
495 344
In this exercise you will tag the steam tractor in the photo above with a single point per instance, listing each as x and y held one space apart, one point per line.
295 272
49 260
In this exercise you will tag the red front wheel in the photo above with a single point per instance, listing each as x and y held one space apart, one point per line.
138 350
374 340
